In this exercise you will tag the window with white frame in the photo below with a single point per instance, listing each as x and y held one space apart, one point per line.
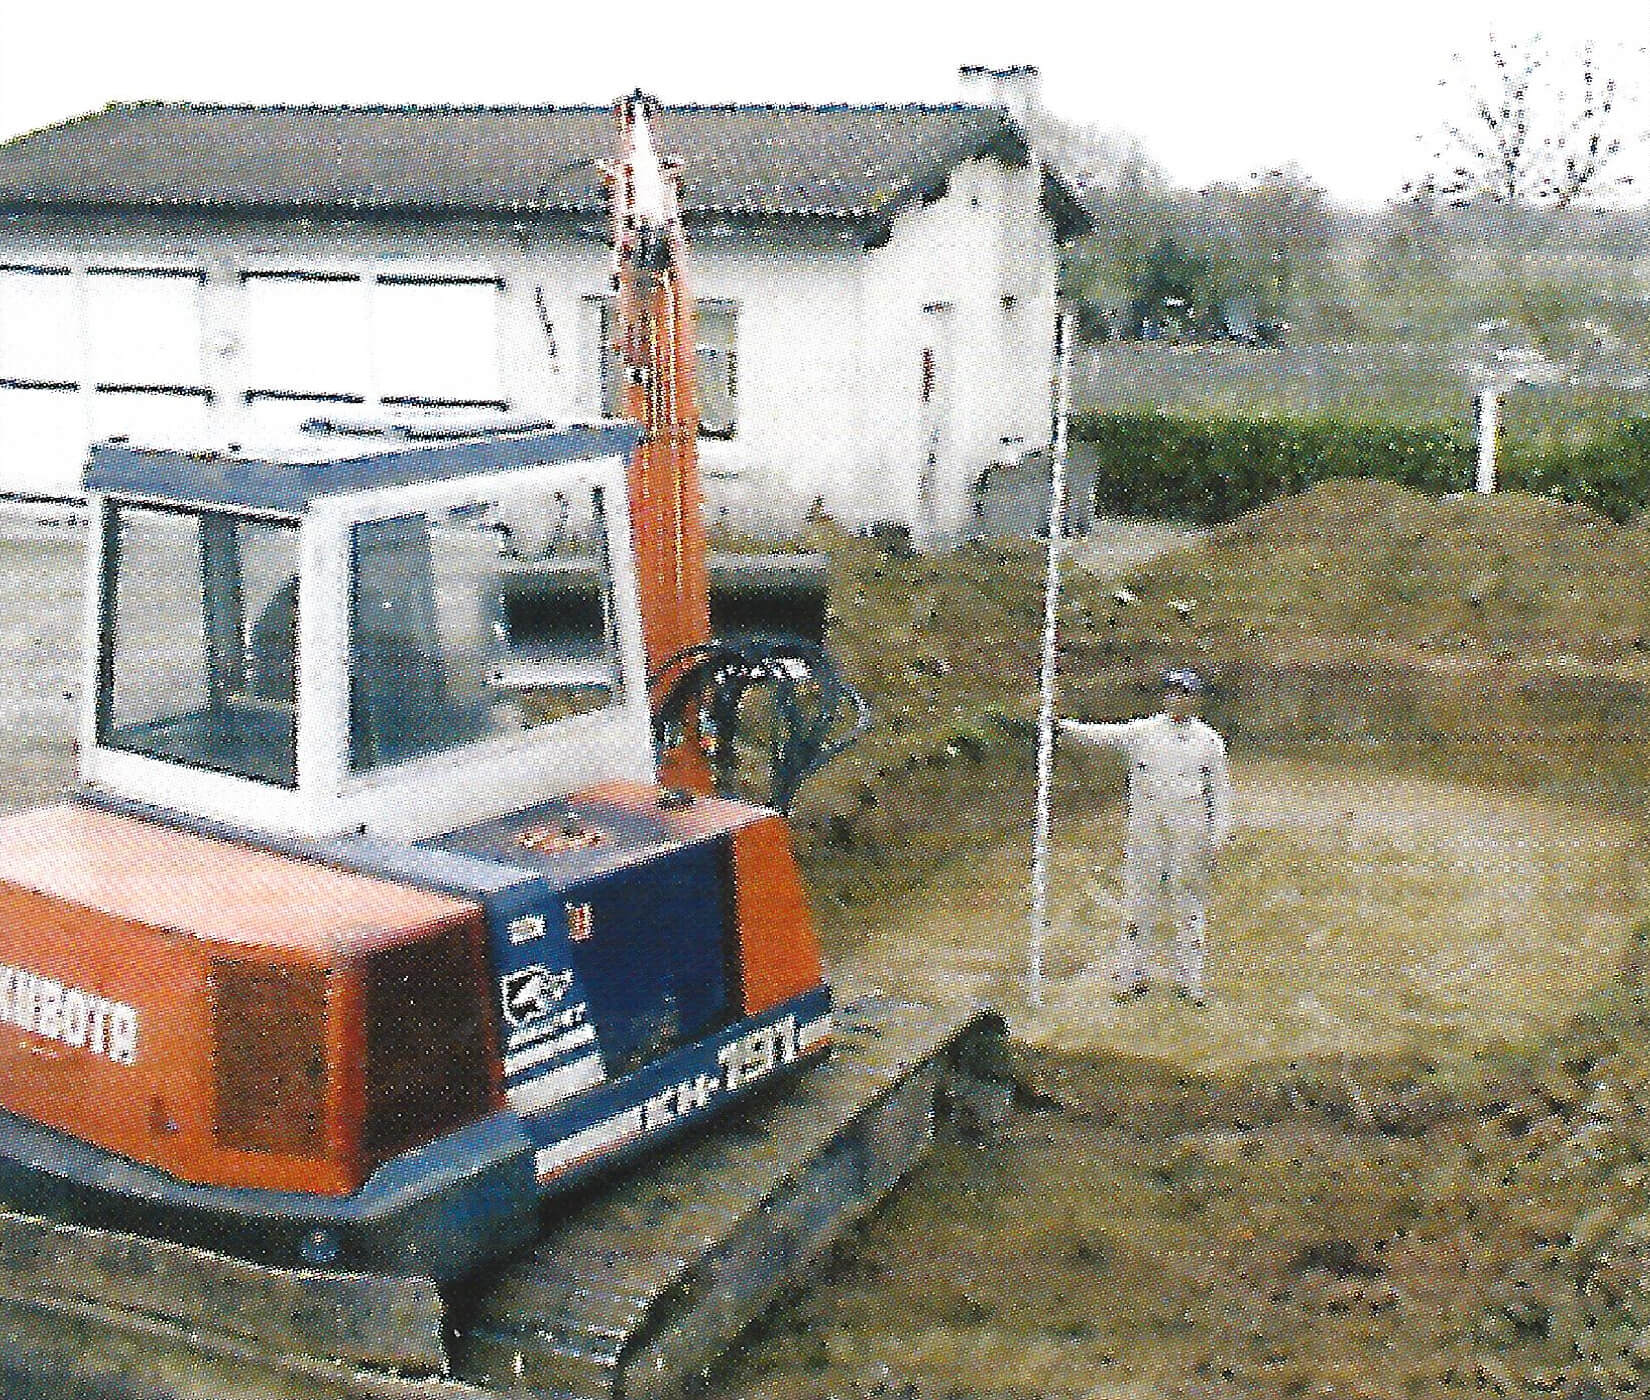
307 337
39 328
151 417
42 411
42 440
144 328
147 376
717 360
438 658
395 340
609 368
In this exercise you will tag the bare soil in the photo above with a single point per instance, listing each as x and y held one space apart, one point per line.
1404 1152
1357 1174
1356 913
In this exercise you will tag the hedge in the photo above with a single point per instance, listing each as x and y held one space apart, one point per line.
1211 469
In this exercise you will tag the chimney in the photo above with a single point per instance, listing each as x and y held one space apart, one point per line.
1017 89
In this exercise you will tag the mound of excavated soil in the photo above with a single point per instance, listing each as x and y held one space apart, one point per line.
1509 575
1501 639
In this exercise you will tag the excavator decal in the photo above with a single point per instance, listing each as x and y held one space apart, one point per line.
81 1020
533 993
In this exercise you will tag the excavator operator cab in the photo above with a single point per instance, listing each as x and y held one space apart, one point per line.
321 641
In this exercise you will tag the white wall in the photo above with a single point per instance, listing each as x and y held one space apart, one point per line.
799 380
986 239
828 340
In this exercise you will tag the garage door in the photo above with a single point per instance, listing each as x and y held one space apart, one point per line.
306 336
43 430
145 327
436 341
149 419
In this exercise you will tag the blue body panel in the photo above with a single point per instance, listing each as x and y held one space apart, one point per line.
289 487
654 961
650 951
609 1125
443 1209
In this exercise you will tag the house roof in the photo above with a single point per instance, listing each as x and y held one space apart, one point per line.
857 163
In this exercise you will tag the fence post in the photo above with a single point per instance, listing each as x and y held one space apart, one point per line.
1048 673
1488 420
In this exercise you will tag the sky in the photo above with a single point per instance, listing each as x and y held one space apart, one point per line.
1212 90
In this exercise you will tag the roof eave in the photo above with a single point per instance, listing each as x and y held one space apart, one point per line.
333 210
1065 211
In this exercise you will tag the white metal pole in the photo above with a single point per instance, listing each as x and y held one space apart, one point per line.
1489 423
1051 616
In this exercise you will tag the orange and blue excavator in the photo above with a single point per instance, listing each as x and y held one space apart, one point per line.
373 927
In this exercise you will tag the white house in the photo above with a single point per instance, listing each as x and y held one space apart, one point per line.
876 285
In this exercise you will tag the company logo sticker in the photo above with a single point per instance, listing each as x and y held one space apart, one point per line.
533 993
68 1015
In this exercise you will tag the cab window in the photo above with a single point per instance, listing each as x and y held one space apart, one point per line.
199 640
476 621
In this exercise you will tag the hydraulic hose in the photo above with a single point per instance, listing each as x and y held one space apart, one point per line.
811 707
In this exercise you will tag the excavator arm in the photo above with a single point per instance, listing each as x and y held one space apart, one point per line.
653 338
695 679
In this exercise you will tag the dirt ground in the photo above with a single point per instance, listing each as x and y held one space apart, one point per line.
1316 1185
1310 1188
1356 913
1404 1152
1113 545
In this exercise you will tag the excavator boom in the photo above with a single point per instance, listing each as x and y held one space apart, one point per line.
654 341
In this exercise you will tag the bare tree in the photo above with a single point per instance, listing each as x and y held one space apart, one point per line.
1527 149
1526 140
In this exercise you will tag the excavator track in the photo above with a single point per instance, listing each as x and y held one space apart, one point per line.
642 1286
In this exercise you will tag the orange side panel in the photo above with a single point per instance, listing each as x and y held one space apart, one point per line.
778 951
131 1068
119 942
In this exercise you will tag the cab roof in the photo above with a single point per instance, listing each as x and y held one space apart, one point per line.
341 461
